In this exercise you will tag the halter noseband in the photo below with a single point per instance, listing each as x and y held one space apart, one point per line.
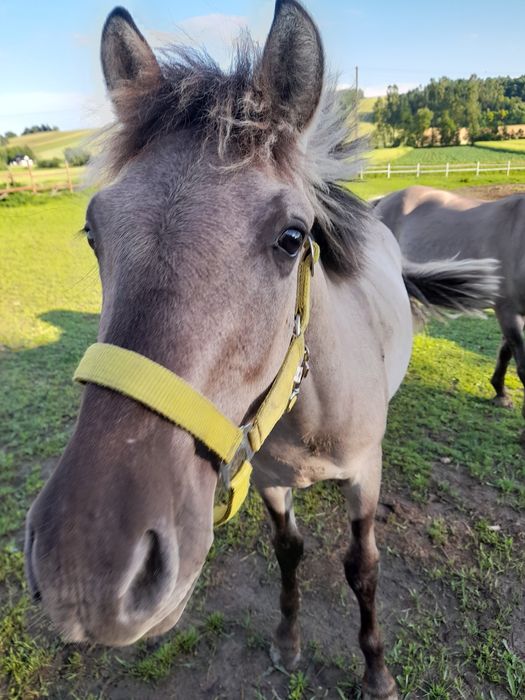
166 393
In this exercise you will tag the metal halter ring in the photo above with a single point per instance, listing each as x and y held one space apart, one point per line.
244 453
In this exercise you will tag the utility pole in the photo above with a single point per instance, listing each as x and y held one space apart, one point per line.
356 79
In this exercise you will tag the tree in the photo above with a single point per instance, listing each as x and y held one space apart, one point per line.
379 119
10 135
422 122
448 129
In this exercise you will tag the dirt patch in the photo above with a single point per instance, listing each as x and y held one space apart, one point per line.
491 192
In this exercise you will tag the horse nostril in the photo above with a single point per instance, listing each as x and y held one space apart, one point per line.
148 583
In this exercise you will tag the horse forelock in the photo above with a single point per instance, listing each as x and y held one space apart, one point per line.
234 110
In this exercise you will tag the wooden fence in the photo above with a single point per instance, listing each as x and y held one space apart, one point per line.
444 169
67 178
38 179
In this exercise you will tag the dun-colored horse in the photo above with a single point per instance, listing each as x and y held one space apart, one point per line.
431 223
217 182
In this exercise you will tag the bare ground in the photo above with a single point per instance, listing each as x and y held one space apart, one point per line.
242 583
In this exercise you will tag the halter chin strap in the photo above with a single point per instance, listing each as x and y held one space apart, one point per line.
169 395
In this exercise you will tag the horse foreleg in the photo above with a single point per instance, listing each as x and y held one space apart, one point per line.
498 378
361 568
288 545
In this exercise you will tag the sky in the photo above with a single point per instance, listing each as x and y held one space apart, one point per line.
49 51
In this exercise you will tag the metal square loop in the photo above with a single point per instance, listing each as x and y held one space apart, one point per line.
244 453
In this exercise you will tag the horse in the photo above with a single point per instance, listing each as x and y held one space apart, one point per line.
428 222
220 189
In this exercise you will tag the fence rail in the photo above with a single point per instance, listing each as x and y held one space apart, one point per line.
37 180
42 180
446 169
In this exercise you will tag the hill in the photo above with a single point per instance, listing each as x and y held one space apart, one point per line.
51 144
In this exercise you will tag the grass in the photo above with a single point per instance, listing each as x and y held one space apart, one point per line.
510 147
456 154
377 185
453 637
489 153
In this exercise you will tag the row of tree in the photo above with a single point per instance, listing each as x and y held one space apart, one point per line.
37 128
436 112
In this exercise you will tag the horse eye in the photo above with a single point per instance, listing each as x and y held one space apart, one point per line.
291 241
89 237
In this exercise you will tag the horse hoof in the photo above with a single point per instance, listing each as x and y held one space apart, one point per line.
384 688
392 696
288 659
503 401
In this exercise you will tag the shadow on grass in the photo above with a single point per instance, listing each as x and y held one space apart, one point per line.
41 400
465 332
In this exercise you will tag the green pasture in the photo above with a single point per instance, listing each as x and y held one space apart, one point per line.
492 152
378 185
452 550
511 146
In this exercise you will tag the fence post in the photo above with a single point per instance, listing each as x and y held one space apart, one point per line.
508 168
388 171
446 170
10 176
69 183
477 169
33 184
418 169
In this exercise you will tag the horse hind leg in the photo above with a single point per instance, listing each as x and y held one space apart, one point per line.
498 378
288 544
361 565
512 328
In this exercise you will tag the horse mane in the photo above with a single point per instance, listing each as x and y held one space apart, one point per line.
235 110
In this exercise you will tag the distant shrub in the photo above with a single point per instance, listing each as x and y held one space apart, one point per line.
76 156
49 163
11 153
10 134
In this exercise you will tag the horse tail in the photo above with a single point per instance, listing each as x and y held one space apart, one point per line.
462 286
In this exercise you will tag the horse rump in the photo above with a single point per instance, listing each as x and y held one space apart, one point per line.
440 287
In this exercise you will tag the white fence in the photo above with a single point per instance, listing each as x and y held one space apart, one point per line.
447 169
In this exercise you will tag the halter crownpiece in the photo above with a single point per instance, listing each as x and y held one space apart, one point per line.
167 394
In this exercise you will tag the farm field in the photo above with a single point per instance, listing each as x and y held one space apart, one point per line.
406 155
450 525
51 144
512 146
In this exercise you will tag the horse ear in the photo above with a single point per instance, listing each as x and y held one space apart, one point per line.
124 52
293 62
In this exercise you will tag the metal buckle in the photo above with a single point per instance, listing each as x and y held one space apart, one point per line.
301 373
243 453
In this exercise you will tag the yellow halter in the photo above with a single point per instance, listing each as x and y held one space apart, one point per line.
169 395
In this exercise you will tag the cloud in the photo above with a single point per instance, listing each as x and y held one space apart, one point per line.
380 90
216 32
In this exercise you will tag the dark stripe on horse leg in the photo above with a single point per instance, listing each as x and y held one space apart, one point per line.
288 545
498 378
361 568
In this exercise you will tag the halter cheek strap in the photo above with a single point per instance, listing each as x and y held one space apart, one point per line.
167 394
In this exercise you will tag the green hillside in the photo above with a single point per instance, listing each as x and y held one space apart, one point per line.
51 144
510 148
